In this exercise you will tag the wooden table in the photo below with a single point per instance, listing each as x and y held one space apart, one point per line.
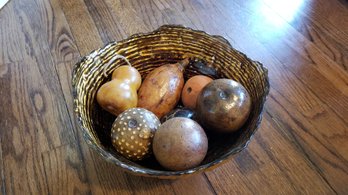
301 146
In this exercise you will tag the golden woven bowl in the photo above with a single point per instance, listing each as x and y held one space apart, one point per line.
168 44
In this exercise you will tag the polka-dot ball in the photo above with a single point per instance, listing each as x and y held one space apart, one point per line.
132 133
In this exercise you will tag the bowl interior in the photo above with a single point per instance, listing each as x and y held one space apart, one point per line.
168 44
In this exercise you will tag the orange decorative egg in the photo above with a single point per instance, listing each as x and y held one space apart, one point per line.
192 88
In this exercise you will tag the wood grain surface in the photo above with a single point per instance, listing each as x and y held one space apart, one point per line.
301 146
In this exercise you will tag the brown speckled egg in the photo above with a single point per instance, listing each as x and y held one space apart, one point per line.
192 88
132 133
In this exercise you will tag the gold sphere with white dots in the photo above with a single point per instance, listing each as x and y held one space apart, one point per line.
132 133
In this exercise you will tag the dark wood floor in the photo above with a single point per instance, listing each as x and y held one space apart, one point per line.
300 148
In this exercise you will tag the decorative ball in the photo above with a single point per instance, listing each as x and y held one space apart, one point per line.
180 144
179 112
192 88
223 105
132 133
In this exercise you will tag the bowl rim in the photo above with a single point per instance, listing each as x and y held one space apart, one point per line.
144 171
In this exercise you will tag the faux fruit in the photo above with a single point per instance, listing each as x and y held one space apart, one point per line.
207 69
180 144
161 89
120 93
132 133
179 112
192 88
223 105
